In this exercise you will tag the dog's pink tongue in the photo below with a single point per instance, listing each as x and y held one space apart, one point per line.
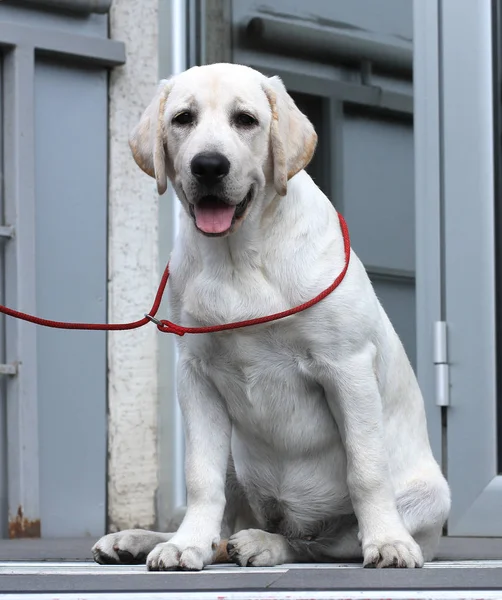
213 216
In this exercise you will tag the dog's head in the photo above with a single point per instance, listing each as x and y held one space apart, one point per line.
224 135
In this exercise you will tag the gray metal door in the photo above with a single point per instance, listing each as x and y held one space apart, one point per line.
458 154
53 230
470 261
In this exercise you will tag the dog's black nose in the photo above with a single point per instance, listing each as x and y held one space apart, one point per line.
210 167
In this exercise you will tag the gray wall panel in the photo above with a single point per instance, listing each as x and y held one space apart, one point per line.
398 298
379 190
71 197
378 203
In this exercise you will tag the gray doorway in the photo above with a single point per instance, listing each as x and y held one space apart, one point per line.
53 262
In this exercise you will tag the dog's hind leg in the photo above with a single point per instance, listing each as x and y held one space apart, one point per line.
258 548
424 507
336 540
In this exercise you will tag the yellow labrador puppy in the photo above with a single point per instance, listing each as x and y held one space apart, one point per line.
306 438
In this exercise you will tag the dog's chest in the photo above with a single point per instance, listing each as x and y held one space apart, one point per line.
212 298
265 377
264 373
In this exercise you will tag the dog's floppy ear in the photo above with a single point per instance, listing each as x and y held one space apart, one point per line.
292 135
148 139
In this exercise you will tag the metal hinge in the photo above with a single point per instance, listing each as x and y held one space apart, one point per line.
8 369
6 232
441 366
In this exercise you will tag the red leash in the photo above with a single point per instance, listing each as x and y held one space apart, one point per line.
168 327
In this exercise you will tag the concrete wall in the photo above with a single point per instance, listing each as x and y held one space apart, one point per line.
133 277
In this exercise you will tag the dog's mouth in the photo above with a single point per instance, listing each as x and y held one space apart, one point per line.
213 216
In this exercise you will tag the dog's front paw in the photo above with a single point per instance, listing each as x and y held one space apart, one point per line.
184 557
129 547
393 553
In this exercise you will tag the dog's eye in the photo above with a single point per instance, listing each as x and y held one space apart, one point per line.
183 118
245 120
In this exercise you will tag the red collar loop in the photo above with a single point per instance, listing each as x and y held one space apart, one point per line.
167 327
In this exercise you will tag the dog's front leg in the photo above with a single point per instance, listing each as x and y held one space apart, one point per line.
207 431
352 392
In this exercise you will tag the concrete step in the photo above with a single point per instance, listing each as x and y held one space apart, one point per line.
70 580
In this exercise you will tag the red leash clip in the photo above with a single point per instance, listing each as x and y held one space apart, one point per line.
166 326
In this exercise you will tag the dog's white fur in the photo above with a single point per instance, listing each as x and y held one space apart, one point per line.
321 412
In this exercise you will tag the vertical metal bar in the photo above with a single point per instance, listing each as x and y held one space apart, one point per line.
497 118
3 401
335 166
171 493
202 28
427 203
215 31
194 42
179 64
21 341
